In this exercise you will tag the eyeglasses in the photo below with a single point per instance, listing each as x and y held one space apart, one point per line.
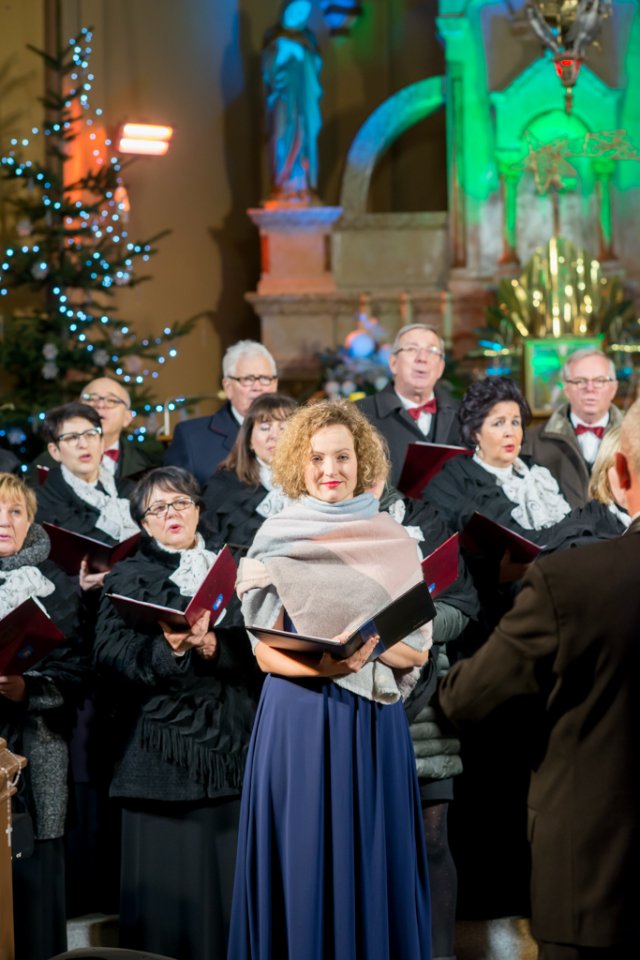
109 401
160 510
73 439
413 350
249 380
598 383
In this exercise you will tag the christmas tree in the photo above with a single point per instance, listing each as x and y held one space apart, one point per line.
69 254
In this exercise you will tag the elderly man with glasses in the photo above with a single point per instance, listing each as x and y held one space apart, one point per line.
568 443
413 407
199 445
126 459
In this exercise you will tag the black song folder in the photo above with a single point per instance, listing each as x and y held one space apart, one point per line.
394 622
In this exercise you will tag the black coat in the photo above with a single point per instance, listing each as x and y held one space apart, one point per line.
200 445
58 504
568 652
463 487
230 509
183 723
386 412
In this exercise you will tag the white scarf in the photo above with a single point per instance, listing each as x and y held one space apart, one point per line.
194 565
537 497
115 515
21 584
276 500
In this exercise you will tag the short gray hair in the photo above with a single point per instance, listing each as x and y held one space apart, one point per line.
415 326
582 354
245 348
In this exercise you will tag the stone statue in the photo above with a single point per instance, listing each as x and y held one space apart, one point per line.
291 65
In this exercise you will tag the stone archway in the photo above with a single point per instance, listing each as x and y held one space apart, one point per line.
381 129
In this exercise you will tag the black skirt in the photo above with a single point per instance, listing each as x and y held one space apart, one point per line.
178 861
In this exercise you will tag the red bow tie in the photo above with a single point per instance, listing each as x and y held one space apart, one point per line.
585 428
429 407
114 454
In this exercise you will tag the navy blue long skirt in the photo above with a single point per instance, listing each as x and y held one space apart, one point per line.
331 858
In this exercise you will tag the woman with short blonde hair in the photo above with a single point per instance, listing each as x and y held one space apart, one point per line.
37 710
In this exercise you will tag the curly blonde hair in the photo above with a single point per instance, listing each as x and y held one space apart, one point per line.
292 453
14 490
599 486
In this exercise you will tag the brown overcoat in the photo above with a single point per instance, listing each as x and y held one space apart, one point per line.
571 644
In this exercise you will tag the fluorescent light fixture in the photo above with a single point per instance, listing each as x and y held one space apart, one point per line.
146 139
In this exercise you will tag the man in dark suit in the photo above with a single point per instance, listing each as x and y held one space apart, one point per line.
569 651
199 445
568 443
128 460
413 407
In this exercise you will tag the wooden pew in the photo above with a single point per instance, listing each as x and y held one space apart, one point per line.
10 766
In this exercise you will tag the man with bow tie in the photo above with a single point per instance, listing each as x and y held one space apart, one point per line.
568 443
126 458
413 407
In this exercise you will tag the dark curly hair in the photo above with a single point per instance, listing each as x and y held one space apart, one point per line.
481 397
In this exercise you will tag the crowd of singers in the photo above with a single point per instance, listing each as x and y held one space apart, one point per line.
202 754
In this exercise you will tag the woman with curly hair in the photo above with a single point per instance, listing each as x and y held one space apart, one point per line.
331 857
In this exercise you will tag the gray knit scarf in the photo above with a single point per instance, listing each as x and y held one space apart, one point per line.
333 565
20 578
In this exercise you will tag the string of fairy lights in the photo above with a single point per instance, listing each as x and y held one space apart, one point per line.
72 238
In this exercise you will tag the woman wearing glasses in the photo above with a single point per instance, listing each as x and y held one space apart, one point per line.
80 493
184 711
242 494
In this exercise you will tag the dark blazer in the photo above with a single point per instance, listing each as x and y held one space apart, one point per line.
555 446
386 412
134 461
199 445
569 650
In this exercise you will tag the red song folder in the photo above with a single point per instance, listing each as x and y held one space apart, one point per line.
213 594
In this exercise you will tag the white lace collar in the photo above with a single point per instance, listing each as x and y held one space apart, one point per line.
535 493
115 516
195 563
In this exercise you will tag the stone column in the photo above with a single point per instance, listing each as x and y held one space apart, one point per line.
509 180
603 170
